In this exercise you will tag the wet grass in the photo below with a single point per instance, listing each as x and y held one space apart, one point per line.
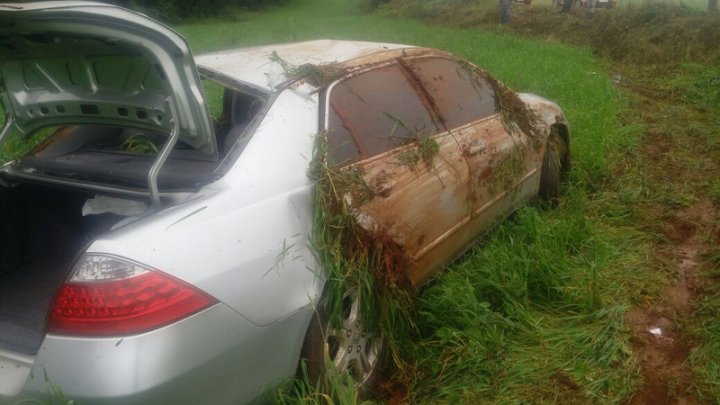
528 318
675 170
16 146
704 329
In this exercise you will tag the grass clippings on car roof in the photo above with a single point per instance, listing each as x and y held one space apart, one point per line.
319 75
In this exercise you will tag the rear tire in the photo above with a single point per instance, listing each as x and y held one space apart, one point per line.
349 348
552 168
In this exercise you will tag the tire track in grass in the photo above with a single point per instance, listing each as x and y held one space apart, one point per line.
657 336
675 162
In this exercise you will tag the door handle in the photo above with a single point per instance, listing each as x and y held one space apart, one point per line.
474 147
382 184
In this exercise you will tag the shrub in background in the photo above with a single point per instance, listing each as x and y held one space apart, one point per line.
176 10
371 5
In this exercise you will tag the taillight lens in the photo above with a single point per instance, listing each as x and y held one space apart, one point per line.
109 296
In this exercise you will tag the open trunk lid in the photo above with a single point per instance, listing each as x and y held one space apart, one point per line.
92 63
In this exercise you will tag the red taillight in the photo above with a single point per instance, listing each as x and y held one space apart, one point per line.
125 306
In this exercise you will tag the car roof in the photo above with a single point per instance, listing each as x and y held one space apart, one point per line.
256 66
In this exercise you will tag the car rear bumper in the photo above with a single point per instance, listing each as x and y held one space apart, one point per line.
215 356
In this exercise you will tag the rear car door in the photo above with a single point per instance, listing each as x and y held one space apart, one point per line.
379 123
435 152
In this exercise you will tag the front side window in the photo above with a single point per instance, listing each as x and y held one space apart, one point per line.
459 94
374 112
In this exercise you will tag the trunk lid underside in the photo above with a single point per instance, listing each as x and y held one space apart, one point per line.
89 63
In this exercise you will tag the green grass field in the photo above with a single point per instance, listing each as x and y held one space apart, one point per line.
696 4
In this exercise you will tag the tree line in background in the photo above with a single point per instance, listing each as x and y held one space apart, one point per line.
175 10
370 5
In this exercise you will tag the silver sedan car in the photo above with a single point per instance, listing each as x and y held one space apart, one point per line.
155 243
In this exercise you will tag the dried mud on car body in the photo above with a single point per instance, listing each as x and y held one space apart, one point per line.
354 190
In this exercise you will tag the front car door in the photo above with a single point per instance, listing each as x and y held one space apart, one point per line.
501 163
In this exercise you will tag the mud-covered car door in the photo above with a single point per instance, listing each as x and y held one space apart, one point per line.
502 165
379 123
428 138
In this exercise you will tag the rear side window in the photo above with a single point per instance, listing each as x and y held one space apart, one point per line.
231 111
374 112
459 93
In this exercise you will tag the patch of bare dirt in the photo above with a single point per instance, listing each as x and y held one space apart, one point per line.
655 332
394 394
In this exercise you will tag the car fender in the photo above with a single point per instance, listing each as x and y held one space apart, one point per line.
549 112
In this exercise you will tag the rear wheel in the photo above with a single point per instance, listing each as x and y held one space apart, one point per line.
350 347
553 168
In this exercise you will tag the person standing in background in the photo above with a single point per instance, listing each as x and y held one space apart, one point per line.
590 7
505 11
